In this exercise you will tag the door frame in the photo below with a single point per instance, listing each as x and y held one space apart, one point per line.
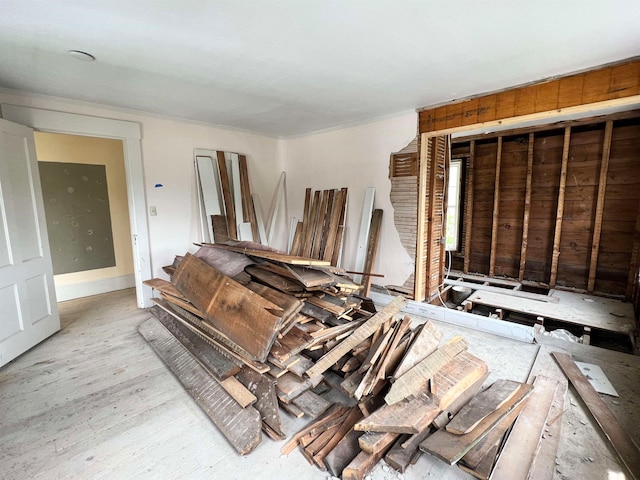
130 134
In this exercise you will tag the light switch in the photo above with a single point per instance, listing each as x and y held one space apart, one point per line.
152 211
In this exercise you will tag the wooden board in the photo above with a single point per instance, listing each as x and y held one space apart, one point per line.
405 450
275 256
423 345
311 404
451 447
622 443
216 364
267 402
406 416
521 446
482 405
242 315
343 453
240 426
238 391
165 287
372 249
274 280
227 195
364 462
363 332
417 376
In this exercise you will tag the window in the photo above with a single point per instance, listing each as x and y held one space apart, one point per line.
453 204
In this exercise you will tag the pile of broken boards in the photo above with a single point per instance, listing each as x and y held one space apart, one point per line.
249 331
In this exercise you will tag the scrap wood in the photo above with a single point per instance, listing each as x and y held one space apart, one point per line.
622 443
216 364
416 377
372 249
364 462
271 255
400 456
311 404
454 407
230 307
481 405
424 344
240 426
406 416
451 447
267 401
364 331
373 442
208 335
343 453
346 426
521 446
334 414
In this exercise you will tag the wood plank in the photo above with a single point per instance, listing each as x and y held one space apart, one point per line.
267 402
527 208
421 234
410 415
372 249
373 442
247 202
451 447
560 208
226 195
320 231
622 443
364 462
332 415
423 345
214 362
230 307
321 457
602 188
363 332
343 453
405 450
274 280
240 426
482 405
238 391
274 256
164 286
456 377
415 378
209 191
519 451
311 404
456 405
468 206
496 209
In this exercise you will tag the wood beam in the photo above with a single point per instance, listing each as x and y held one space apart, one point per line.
602 188
560 209
468 203
496 210
610 85
232 228
527 209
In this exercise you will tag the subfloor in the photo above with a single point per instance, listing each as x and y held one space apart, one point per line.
94 401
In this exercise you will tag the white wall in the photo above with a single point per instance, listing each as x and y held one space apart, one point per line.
167 155
355 157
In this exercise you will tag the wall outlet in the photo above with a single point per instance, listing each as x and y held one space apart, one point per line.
152 211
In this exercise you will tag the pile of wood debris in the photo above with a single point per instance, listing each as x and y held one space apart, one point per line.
250 331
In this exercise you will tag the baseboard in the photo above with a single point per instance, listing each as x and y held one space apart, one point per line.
96 287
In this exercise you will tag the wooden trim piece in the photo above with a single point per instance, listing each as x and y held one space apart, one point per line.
372 249
602 188
560 209
527 209
622 443
237 194
226 195
311 229
320 230
420 264
496 210
611 84
468 203
247 203
363 235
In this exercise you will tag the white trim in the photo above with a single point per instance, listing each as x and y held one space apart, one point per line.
130 134
501 328
95 287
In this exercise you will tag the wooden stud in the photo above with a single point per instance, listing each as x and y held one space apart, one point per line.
468 205
602 188
247 203
527 210
496 210
226 195
423 189
560 208
318 228
372 249
363 235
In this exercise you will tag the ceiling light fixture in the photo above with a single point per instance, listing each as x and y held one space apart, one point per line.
82 56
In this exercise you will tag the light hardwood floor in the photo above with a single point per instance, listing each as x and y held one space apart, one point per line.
95 402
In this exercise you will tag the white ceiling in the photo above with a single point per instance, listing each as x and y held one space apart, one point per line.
288 67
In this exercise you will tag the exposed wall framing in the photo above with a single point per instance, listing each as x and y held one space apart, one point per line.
560 206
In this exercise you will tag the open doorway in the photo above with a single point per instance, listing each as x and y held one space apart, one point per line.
85 199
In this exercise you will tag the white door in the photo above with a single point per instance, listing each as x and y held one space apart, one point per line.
28 308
